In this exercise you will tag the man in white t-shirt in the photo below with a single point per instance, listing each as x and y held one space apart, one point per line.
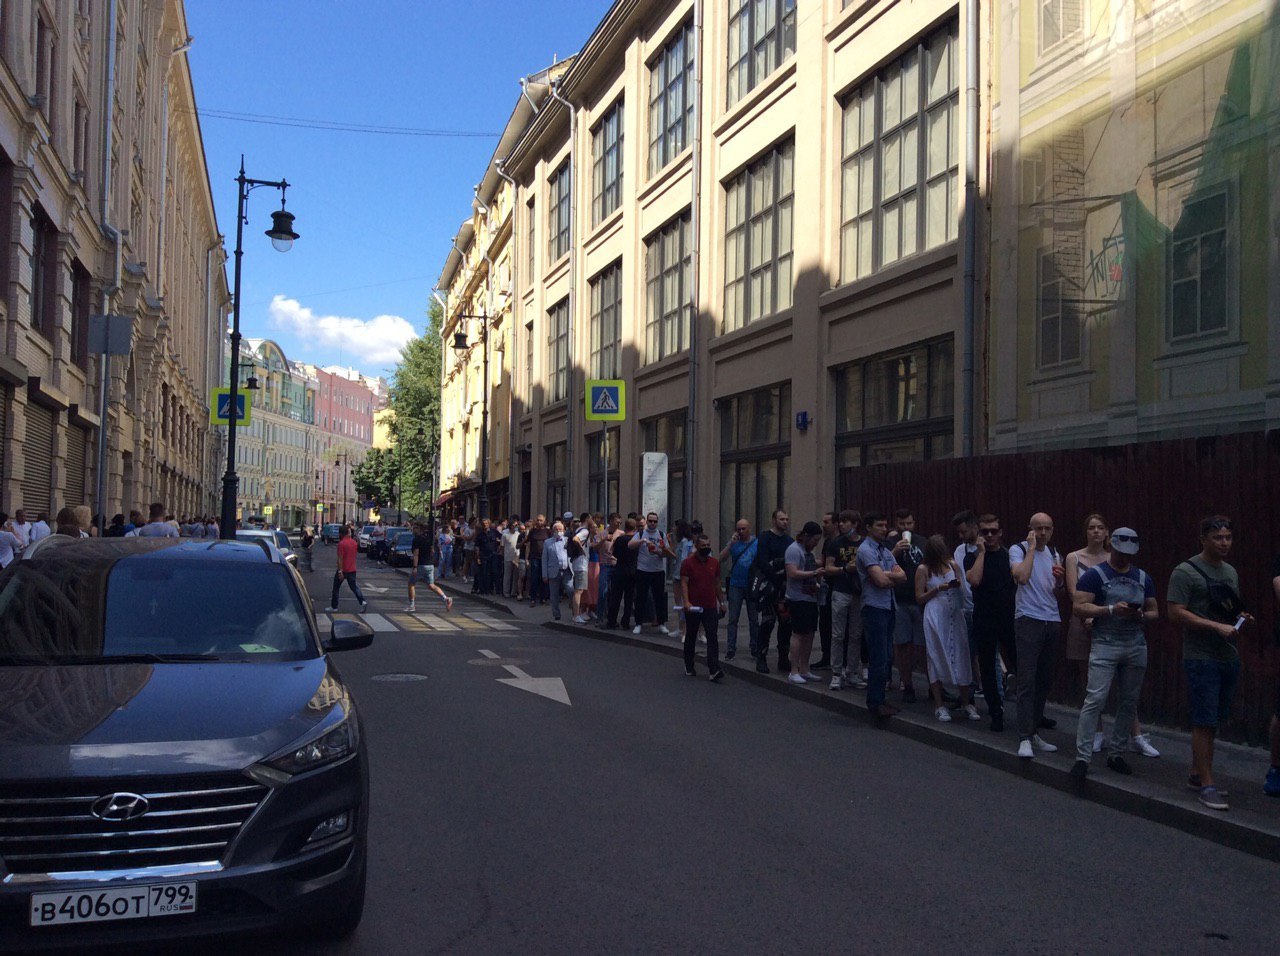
652 549
1037 570
21 527
40 529
157 526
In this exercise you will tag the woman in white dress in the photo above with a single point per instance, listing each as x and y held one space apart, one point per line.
946 637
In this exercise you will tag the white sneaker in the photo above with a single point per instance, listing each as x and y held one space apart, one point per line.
1099 741
364 605
580 619
1025 751
331 609
636 629
796 679
943 715
1142 744
1040 744
662 628
972 712
836 683
410 608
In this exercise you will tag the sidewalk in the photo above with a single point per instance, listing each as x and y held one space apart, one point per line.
1157 789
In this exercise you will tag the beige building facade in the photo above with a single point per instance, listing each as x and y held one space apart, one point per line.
105 208
815 236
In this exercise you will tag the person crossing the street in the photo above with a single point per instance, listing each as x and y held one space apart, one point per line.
347 552
423 568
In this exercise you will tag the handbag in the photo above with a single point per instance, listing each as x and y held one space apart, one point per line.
1225 605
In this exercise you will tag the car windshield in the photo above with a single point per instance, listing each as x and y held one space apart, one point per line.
404 539
146 607
368 529
282 539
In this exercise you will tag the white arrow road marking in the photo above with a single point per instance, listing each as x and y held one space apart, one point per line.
550 687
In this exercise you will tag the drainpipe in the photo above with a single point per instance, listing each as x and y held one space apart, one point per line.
570 436
108 293
524 91
970 229
511 380
695 218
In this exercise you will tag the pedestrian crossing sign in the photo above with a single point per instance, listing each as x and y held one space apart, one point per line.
220 407
606 400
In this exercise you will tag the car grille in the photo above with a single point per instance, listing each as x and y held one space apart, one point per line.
49 828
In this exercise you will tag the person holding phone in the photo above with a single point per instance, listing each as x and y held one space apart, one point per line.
1204 598
804 578
1120 600
938 588
1037 570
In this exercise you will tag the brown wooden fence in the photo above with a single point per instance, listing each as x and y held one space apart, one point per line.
1162 489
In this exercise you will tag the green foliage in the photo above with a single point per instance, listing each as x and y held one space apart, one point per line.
415 400
375 477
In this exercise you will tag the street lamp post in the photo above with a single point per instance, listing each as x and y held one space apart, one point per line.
346 480
282 235
460 345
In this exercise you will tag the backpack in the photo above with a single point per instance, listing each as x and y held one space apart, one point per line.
573 549
1225 605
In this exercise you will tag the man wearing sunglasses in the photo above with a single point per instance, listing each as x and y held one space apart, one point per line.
652 551
1120 600
991 580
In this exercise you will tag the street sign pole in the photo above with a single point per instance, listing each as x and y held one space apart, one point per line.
108 335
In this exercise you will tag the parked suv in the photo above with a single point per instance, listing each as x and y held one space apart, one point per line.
178 755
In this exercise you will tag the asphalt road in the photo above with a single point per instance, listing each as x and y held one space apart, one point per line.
661 814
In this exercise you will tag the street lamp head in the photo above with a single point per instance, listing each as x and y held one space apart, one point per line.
460 341
251 383
281 232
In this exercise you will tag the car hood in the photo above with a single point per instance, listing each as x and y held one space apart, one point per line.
124 719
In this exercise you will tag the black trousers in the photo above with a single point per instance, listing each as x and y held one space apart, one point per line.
991 636
709 620
768 619
651 597
824 627
622 588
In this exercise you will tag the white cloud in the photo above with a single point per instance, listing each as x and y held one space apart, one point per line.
376 341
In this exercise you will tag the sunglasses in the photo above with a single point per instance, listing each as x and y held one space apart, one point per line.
986 531
1125 537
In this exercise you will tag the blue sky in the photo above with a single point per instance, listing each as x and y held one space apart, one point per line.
375 212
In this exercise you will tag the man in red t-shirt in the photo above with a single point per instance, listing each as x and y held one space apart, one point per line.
347 550
703 605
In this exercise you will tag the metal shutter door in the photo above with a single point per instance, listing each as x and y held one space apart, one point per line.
37 452
5 403
77 442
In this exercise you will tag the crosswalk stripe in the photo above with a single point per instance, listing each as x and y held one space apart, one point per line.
437 623
407 622
379 623
492 622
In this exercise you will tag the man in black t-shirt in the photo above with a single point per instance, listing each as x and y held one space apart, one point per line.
839 555
994 592
769 576
422 567
622 582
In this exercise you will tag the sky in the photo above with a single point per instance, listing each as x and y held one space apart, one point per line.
375 212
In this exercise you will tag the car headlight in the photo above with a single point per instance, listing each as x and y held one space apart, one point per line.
326 747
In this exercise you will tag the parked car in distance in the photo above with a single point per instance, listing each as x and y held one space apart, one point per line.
205 773
365 536
276 538
402 551
329 533
383 541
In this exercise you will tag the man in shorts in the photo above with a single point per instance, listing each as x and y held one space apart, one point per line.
422 568
1204 598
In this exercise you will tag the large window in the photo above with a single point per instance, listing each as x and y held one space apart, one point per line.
755 455
671 99
558 213
900 167
602 471
606 164
896 406
558 351
44 274
557 480
758 222
606 322
666 433
762 34
1059 19
1057 316
1198 267
669 289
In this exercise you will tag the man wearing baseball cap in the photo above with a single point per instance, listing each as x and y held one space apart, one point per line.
1120 599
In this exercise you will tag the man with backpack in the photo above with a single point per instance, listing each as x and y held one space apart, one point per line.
769 579
1038 572
1120 599
1204 597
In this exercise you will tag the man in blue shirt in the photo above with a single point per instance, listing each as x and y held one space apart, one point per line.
1120 599
879 572
741 553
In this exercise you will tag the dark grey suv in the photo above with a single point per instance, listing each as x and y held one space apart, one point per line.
178 756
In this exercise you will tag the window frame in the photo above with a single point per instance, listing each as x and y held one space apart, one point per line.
559 212
742 459
1063 315
600 471
1230 231
761 47
606 145
558 352
669 324
606 322
753 221
671 100
868 157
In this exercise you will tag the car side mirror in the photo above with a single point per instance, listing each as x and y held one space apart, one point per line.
349 635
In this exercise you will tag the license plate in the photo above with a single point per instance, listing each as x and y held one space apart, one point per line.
129 902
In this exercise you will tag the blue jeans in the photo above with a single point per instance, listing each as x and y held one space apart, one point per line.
446 561
737 597
350 578
602 590
1128 663
877 628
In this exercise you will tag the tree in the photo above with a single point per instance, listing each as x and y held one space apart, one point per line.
415 402
375 478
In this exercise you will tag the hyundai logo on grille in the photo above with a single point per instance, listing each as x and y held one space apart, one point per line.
119 807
